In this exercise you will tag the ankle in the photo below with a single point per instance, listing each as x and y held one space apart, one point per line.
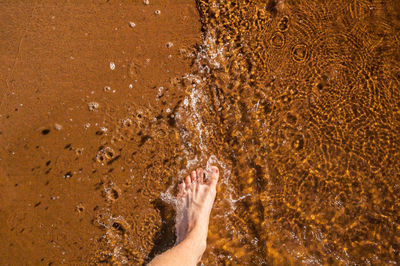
197 239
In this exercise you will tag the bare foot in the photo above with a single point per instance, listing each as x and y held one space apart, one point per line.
195 200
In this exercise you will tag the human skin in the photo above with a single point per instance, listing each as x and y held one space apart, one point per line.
194 203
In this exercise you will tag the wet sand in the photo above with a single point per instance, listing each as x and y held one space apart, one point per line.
55 60
297 102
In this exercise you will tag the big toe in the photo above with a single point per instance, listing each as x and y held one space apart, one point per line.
214 176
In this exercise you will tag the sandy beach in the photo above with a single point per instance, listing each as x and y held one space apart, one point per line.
105 106
59 60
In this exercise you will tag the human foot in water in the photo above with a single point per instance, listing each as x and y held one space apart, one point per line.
194 203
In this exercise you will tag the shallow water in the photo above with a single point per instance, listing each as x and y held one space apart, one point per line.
300 101
297 102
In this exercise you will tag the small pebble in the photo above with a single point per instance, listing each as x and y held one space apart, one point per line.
112 65
132 24
93 106
157 12
146 2
107 88
67 175
57 126
169 44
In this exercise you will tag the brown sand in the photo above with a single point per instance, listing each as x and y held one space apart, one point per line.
297 102
55 59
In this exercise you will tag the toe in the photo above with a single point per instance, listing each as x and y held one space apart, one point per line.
193 176
214 176
187 182
195 189
200 175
